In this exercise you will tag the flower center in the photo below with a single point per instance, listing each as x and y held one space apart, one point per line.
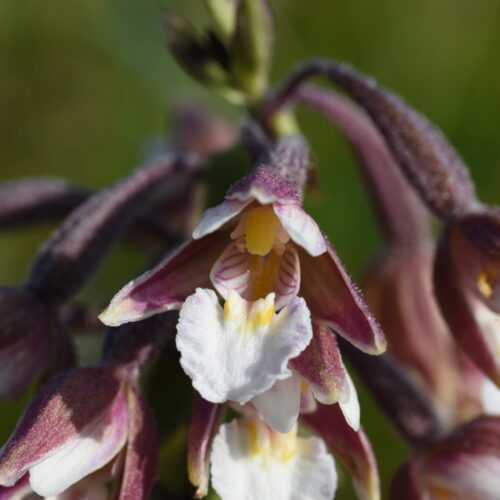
261 231
248 317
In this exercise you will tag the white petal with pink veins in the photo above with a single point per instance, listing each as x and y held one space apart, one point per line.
301 227
81 456
279 406
253 276
235 353
250 461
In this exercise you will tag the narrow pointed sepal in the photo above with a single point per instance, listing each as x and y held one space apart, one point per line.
68 406
351 447
336 301
320 366
140 469
204 422
166 286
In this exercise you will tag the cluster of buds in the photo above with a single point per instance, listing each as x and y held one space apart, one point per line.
262 307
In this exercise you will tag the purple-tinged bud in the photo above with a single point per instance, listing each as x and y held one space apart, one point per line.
351 447
205 420
25 339
464 465
427 159
32 200
75 250
404 401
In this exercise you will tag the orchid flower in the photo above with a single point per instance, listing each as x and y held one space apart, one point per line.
282 287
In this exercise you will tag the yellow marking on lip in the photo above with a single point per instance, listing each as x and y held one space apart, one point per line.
261 232
260 319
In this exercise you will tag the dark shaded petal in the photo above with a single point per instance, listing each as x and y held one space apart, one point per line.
334 299
142 451
167 286
352 448
205 419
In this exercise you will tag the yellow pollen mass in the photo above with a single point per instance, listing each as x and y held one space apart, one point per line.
484 285
261 230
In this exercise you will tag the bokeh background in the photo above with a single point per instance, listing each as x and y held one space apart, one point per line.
84 85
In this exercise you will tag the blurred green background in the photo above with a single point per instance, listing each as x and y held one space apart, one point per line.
85 84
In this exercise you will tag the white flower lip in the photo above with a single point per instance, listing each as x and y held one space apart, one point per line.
241 351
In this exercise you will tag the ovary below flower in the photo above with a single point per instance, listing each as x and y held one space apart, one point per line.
238 351
250 460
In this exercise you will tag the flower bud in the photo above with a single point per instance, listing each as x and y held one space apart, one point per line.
25 336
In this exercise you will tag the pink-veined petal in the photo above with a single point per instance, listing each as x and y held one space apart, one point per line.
253 276
239 352
279 406
249 460
320 366
301 227
214 218
334 300
166 286
352 448
89 451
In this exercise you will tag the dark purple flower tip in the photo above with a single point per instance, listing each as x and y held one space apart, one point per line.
25 336
205 420
352 448
33 200
399 291
65 408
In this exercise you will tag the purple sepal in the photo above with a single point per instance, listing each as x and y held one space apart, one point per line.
407 484
204 422
61 410
167 286
25 332
459 307
320 366
334 299
141 452
352 448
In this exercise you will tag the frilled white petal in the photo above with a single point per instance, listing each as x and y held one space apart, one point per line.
240 351
250 461
301 227
214 218
279 406
351 409
490 398
253 276
84 454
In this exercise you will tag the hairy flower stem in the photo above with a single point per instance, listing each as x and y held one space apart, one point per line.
403 218
426 158
76 249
